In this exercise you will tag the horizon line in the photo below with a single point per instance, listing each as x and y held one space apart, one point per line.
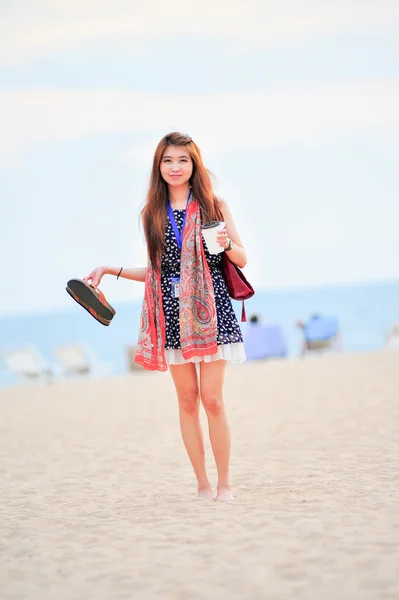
264 290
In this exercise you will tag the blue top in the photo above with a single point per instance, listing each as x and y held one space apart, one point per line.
320 328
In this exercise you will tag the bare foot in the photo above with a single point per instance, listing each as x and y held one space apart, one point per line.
224 495
205 493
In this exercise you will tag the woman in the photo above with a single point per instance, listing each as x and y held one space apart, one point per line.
187 316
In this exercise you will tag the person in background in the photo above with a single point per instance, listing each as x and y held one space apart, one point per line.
320 333
263 341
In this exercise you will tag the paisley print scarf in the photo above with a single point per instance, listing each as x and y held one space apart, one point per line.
197 312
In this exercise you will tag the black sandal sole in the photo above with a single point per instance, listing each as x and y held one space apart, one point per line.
86 297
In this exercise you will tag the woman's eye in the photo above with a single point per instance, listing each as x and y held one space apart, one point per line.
183 160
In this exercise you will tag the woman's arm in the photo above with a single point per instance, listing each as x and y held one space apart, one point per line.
135 273
237 254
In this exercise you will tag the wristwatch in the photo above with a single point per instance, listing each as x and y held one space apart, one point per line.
230 246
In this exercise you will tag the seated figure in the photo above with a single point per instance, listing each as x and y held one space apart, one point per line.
320 333
263 341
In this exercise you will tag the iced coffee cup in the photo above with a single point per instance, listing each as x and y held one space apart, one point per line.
209 233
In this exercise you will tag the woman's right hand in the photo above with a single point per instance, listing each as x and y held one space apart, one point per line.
94 278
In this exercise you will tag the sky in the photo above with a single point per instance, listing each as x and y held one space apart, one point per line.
295 106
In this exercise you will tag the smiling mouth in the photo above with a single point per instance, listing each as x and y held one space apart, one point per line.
175 175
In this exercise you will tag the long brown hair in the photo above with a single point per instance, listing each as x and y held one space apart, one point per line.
155 210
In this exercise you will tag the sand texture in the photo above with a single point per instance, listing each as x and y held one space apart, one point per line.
98 500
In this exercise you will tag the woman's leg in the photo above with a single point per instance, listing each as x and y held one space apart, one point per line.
186 384
211 392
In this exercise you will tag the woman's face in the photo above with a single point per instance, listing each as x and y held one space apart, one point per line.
176 165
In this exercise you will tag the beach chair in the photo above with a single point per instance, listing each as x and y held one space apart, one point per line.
392 338
80 360
321 334
131 364
28 364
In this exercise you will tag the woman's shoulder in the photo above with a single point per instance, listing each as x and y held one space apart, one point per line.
221 203
223 206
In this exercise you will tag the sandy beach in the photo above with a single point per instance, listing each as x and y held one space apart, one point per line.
98 500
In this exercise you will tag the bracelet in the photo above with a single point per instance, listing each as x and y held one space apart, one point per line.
119 273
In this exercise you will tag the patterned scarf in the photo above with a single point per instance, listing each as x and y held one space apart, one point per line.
198 325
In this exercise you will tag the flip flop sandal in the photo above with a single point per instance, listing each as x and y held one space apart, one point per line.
92 299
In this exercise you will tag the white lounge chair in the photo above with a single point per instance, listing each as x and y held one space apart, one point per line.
78 359
392 338
28 363
131 363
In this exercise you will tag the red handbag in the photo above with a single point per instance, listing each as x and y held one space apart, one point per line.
238 286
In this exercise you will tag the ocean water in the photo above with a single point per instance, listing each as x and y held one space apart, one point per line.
365 313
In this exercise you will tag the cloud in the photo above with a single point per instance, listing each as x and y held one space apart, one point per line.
33 30
257 118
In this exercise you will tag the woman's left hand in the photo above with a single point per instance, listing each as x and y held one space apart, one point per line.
222 238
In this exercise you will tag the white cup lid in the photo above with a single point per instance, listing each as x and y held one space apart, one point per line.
210 225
